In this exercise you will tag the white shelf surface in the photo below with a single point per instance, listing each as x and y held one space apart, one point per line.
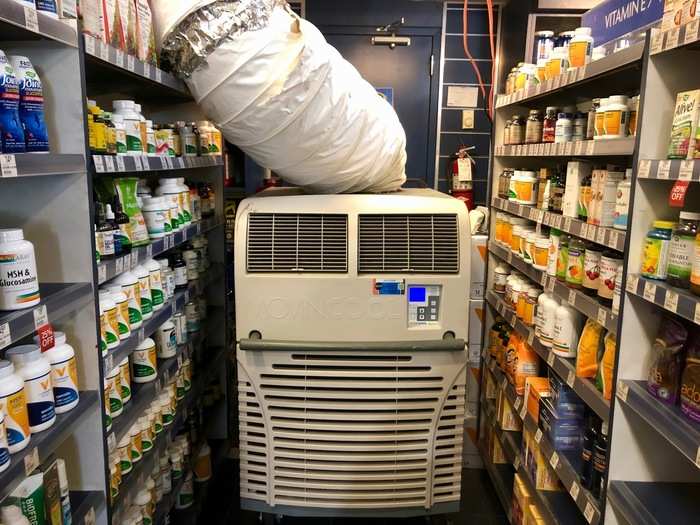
578 148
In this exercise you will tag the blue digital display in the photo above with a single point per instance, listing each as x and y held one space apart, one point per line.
416 294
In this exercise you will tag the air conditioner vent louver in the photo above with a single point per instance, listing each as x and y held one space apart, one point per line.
425 243
297 242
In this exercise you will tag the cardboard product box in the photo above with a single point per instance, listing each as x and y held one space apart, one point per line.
576 171
684 127
536 388
507 418
477 279
565 401
533 516
490 388
673 14
476 322
541 473
521 500
145 33
564 433
690 11
498 457
91 16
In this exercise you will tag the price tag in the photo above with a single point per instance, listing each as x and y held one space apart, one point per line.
550 284
31 20
589 512
590 147
571 378
120 163
613 239
518 401
672 38
199 228
504 383
580 73
89 45
141 335
530 337
119 265
40 316
109 163
649 291
623 390
5 336
567 224
130 63
119 58
671 301
632 283
657 42
602 316
584 230
572 297
101 273
99 166
163 163
90 517
149 251
138 162
554 460
187 296
578 148
568 149
134 259
8 166
538 436
169 162
664 169
574 490
550 358
643 169
31 461
691 31
686 170
523 411
159 75
104 52
696 315
559 148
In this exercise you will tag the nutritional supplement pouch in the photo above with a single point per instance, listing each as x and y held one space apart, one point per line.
606 367
29 497
126 189
127 13
589 346
10 123
526 365
31 105
145 34
690 381
665 371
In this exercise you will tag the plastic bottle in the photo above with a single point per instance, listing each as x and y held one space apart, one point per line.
65 492
116 403
106 233
682 250
118 237
143 276
130 286
562 258
166 340
600 461
12 515
125 379
19 283
107 387
12 136
132 125
147 436
180 271
575 263
553 256
110 133
591 270
189 141
499 280
599 123
549 314
143 501
567 328
166 410
558 62
564 128
610 264
64 373
143 361
590 121
13 404
616 117
168 278
31 105
35 370
170 190
581 47
204 137
165 474
622 203
136 445
155 283
656 246
119 133
124 450
142 128
4 447
121 303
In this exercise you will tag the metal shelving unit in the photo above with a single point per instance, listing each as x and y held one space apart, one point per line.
133 165
23 23
580 148
645 503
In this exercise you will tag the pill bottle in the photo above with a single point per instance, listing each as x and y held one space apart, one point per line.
114 480
108 320
119 134
553 256
188 140
525 186
19 283
187 373
142 128
656 246
500 274
558 62
157 417
136 447
192 316
4 447
166 340
124 451
184 200
125 379
599 122
517 130
144 286
610 264
35 371
144 502
591 270
64 373
130 286
107 387
590 119
564 129
575 263
549 307
132 125
567 328
170 190
581 47
116 403
150 139
579 127
156 214
633 107
180 322
166 410
165 474
143 361
549 124
191 264
563 257
616 117
202 466
122 306
147 435
540 255
179 386
541 70
533 127
682 250
180 271
13 404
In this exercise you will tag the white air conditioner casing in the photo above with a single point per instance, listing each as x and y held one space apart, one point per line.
351 321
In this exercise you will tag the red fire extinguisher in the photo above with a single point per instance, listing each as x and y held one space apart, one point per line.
461 176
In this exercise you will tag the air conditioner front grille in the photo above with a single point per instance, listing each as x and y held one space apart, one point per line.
418 243
294 242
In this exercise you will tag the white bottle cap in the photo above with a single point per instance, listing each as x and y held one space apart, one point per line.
123 104
6 368
24 353
586 31
11 234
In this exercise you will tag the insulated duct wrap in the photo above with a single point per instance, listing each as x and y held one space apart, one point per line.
282 94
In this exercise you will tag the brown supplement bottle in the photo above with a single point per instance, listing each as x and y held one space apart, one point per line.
549 124
533 127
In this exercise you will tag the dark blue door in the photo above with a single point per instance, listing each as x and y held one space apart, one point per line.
406 71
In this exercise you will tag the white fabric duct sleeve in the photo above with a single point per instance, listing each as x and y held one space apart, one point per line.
290 101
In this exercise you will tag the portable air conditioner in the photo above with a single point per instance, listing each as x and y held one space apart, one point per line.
351 320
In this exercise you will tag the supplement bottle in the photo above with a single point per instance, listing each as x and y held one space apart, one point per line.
147 436
549 124
64 373
107 387
122 232
557 186
125 379
166 409
170 190
110 133
622 202
155 213
633 106
179 271
168 278
143 361
656 246
142 128
136 444
143 502
184 200
166 340
115 306
12 136
119 134
4 450
19 283
533 127
144 284
580 47
116 403
506 132
682 250
204 137
616 117
130 286
35 371
189 141
575 263
599 123
591 269
13 404
185 498
580 123
590 119
117 235
610 266
156 284
567 328
548 319
553 255
563 258
105 232
132 125
31 105
124 451
517 130
499 278
558 62
564 129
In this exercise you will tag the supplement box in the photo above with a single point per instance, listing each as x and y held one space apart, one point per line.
29 497
690 11
673 14
536 389
521 499
491 391
576 171
541 474
685 121
563 399
498 457
564 434
506 416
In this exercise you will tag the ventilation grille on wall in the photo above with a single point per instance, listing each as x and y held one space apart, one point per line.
427 243
297 242
351 431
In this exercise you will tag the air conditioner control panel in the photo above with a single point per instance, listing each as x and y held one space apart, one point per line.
423 304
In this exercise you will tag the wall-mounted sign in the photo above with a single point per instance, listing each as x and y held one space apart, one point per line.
613 18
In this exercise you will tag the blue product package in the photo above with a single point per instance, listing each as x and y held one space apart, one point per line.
10 124
48 7
31 105
563 433
565 401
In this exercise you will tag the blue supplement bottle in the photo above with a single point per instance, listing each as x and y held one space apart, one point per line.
10 124
31 105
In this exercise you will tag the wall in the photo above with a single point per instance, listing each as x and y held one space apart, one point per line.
456 70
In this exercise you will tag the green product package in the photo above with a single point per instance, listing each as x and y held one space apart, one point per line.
29 497
126 189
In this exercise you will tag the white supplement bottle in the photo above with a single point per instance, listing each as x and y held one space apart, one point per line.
167 277
107 387
125 379
130 286
35 370
166 410
143 502
116 403
150 139
13 404
147 436
122 304
136 444
599 123
142 127
581 47
166 340
64 374
156 283
119 133
124 450
564 130
155 213
143 361
191 264
549 314
567 329
132 125
4 448
143 276
616 117
19 284
113 328
12 515
184 200
170 189
165 474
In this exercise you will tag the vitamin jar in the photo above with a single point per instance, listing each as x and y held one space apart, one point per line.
19 283
500 274
616 122
35 371
533 295
533 127
506 132
541 69
599 122
540 252
591 270
515 239
581 47
656 246
575 260
525 187
558 63
549 124
553 255
682 250
544 43
517 130
564 129
610 267
507 230
590 121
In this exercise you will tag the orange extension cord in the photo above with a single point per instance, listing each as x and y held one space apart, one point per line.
488 97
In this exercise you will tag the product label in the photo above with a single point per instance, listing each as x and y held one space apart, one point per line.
111 327
125 460
621 206
40 400
562 262
14 406
136 448
133 136
10 123
133 295
562 341
184 205
116 404
123 319
616 122
680 257
180 275
144 362
608 275
120 141
553 256
31 105
4 450
19 285
146 441
108 412
585 196
64 376
591 268
125 381
574 267
599 123
579 53
145 291
156 284
655 258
